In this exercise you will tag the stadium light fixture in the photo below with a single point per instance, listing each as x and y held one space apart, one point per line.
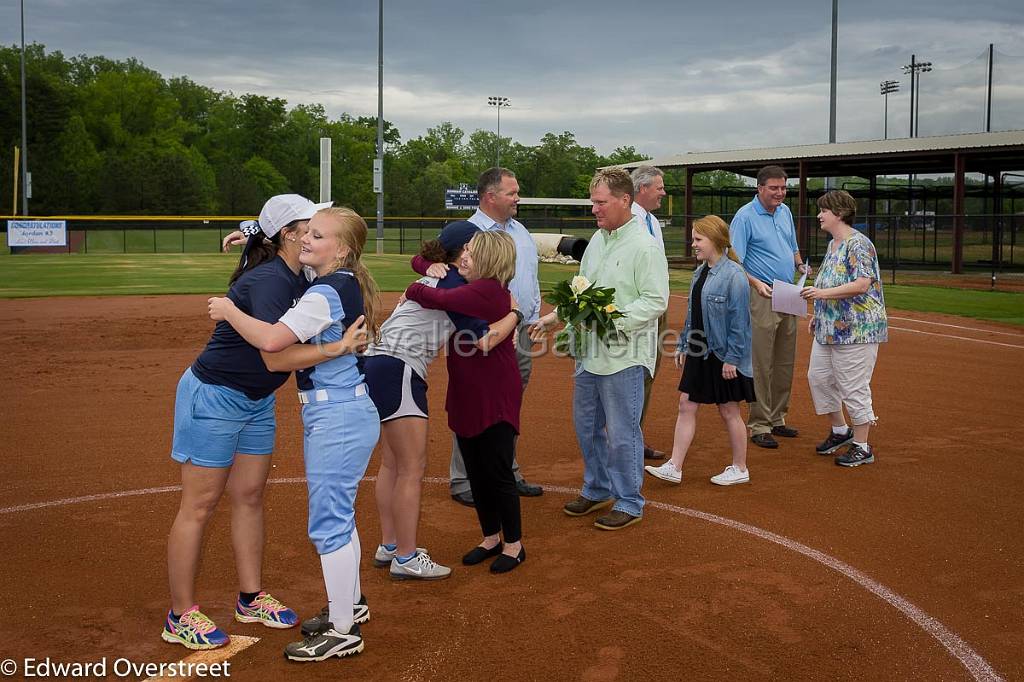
886 88
914 69
498 103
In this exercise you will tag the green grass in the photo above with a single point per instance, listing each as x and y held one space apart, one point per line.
998 306
93 274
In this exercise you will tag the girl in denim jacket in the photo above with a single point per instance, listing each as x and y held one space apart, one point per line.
714 352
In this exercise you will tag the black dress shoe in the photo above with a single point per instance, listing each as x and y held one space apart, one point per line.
764 440
478 554
527 490
785 431
651 453
465 499
504 563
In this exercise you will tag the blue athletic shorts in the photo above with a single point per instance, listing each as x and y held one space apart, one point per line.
395 389
212 423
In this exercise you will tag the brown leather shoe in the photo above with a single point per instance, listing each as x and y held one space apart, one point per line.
764 440
616 520
581 506
651 453
785 431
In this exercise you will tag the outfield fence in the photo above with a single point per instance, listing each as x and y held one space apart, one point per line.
990 242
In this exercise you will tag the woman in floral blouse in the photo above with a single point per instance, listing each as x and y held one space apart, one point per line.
848 324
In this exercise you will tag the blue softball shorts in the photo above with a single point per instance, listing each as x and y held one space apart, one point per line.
212 423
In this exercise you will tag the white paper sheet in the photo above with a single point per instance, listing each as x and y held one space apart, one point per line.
786 297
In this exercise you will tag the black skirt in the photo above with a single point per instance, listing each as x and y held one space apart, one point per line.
702 381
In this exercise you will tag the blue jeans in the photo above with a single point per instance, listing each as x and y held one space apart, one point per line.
606 412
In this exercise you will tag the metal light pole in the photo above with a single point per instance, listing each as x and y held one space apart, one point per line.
923 67
25 188
887 87
498 103
832 87
914 68
378 170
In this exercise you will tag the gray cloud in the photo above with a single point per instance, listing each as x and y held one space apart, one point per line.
667 77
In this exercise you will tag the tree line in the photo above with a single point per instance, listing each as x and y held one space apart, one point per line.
115 137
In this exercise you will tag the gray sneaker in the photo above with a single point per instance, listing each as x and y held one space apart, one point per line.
834 442
384 555
324 644
855 456
311 626
420 567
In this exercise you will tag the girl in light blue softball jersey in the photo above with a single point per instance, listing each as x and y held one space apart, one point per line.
224 429
341 423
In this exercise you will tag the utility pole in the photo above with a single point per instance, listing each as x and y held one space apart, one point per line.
26 188
835 56
378 166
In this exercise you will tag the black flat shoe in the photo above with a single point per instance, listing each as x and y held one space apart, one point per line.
478 554
465 499
504 563
528 489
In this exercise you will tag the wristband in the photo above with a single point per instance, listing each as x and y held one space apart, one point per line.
519 316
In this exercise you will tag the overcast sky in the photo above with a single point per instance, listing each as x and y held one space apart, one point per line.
664 76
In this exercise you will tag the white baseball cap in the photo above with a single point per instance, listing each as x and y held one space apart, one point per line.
286 208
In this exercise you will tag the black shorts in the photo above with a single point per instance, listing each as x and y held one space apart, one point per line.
395 389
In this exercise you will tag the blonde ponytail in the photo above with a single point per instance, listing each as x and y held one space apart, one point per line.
371 298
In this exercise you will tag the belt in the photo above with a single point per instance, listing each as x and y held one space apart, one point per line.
321 395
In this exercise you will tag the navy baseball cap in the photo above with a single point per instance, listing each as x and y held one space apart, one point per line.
456 235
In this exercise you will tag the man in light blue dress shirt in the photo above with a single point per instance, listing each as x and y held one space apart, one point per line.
498 190
764 238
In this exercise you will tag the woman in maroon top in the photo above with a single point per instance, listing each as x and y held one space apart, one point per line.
484 395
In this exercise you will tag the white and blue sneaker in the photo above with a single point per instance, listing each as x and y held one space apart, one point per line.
382 558
420 567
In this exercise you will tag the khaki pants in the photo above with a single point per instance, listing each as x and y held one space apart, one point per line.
774 349
841 375
648 377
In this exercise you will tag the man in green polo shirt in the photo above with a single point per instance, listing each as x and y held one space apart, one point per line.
609 382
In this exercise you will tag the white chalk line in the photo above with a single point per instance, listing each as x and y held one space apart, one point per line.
971 660
942 324
957 326
958 338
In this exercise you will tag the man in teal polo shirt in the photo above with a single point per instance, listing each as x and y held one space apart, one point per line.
764 237
609 382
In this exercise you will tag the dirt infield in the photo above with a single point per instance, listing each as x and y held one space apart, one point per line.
910 568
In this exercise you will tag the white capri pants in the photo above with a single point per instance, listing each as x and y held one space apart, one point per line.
840 374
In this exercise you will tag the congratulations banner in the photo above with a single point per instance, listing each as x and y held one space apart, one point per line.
37 233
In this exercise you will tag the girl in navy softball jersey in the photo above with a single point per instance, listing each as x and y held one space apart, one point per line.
224 430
